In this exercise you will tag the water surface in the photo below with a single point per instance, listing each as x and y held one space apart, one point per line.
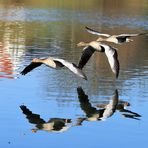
31 103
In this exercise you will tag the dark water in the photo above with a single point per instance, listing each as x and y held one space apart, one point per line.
78 108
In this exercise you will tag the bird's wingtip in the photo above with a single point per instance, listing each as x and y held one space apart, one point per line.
22 106
79 88
22 73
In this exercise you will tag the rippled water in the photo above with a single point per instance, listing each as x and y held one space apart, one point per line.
99 112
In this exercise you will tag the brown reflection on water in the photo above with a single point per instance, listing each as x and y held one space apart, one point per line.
12 40
65 35
86 4
126 6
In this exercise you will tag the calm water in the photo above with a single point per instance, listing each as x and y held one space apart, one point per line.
30 104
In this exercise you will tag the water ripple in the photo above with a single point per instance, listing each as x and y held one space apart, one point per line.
51 15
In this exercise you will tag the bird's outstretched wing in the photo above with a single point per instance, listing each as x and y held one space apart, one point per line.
32 118
96 32
131 35
30 67
86 54
72 67
130 116
112 56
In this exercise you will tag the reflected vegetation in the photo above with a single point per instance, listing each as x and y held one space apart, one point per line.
105 111
12 40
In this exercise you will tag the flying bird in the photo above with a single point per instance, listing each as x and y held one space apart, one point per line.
118 39
54 63
110 52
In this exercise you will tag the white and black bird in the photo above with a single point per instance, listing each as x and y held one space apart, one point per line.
117 39
54 63
109 51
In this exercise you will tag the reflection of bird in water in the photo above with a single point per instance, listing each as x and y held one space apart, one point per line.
53 125
93 46
118 39
121 107
54 63
91 112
